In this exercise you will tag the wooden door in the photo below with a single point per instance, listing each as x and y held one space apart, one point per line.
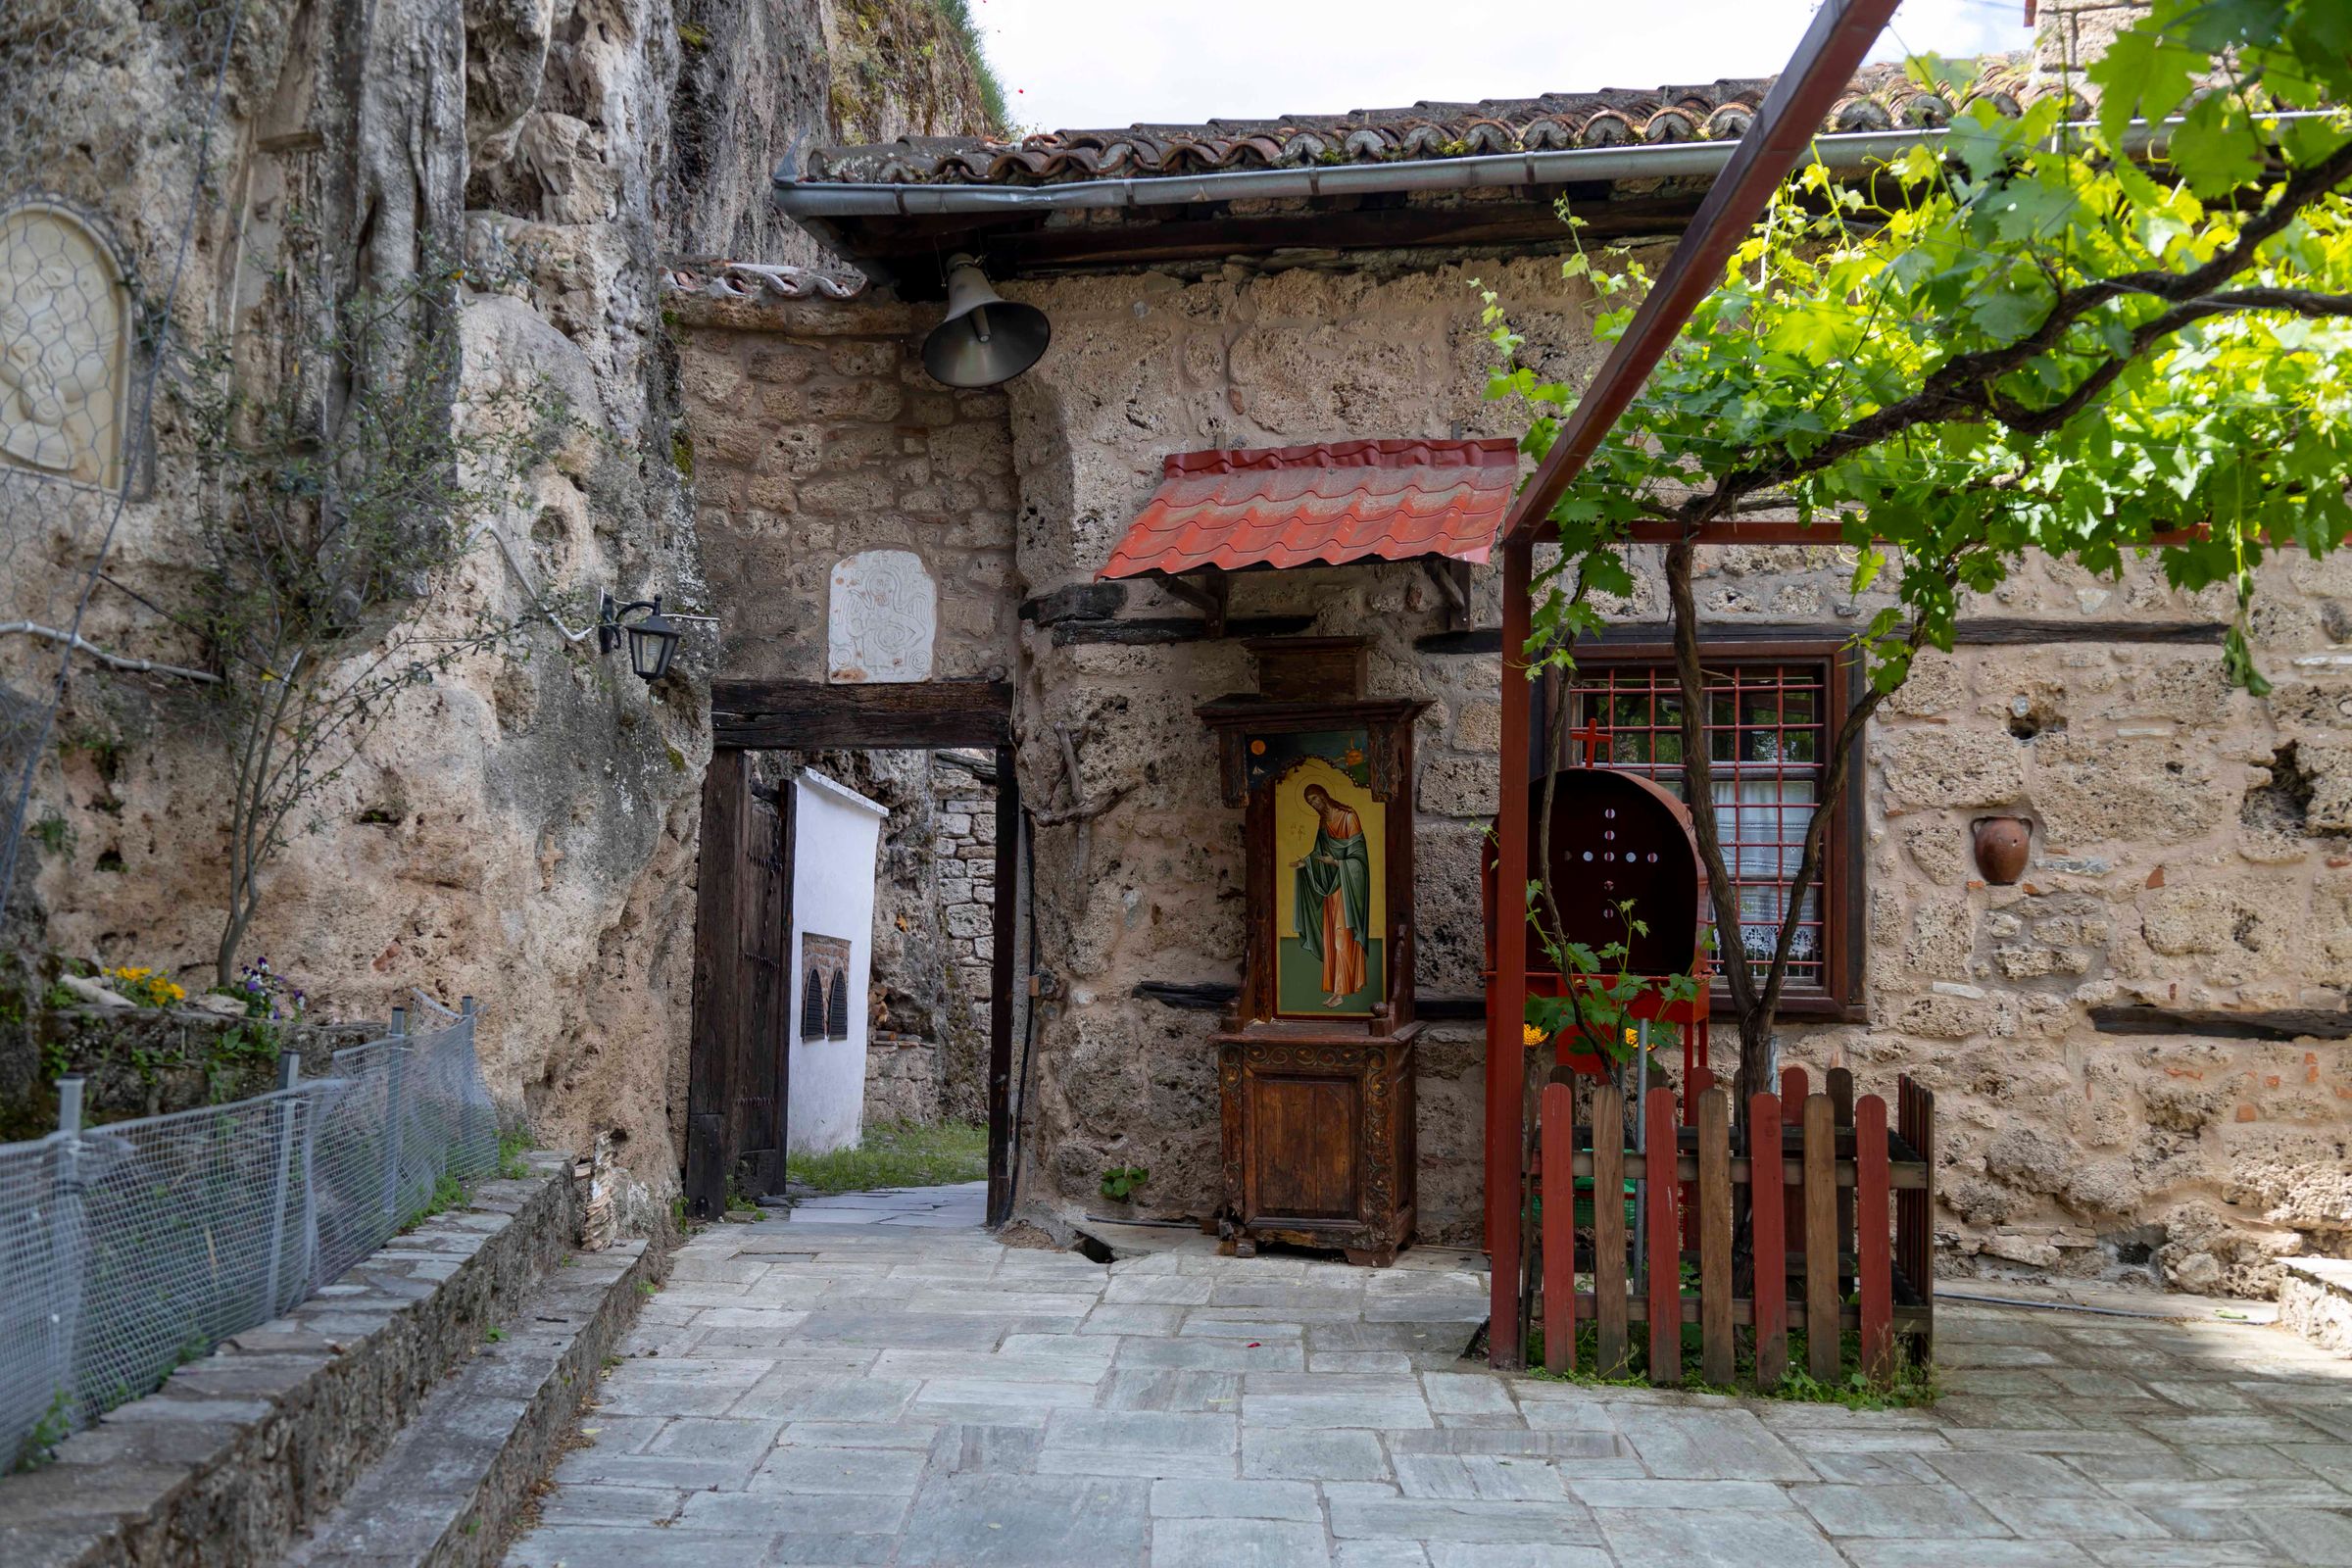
1306 1134
736 1078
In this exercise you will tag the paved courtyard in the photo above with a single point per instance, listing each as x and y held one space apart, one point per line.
861 1385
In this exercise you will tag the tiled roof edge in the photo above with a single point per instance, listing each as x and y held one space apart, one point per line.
752 280
1880 98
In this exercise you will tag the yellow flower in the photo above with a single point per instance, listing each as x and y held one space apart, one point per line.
1530 1035
1629 1037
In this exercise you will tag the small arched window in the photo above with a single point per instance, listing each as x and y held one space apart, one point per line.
812 1006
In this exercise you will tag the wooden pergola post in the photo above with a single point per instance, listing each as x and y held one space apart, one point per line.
1506 1002
1826 59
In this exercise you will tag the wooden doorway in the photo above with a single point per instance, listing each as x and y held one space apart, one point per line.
738 1088
736 1082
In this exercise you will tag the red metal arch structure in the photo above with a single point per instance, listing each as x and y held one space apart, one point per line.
1826 59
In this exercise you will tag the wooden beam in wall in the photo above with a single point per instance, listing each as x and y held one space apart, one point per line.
809 715
1985 631
1152 631
1216 995
2274 1024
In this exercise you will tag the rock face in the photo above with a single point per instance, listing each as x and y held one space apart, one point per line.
2187 844
520 830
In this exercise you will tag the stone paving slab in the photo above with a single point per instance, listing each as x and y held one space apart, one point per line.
845 1387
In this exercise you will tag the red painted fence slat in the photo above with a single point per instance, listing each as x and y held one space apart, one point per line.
1795 1088
1665 1234
1716 1347
1870 1238
1609 1265
1822 1339
1559 1228
1702 1079
1768 1220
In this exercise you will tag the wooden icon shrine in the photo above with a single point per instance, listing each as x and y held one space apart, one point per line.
1315 1061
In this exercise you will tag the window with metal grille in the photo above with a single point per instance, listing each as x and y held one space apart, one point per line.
837 1009
813 1006
1771 711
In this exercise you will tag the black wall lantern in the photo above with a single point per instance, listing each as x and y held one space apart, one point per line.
653 639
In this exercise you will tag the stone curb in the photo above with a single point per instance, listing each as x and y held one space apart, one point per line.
237 1452
450 1491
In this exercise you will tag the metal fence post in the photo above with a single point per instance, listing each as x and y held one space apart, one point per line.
396 1071
474 1138
289 1105
65 1318
314 1104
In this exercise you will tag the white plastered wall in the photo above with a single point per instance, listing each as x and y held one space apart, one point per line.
836 832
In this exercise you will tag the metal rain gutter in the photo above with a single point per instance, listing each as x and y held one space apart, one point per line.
1563 165
1842 152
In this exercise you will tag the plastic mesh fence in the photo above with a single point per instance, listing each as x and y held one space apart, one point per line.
132 1248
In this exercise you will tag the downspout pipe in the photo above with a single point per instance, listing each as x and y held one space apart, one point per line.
1843 153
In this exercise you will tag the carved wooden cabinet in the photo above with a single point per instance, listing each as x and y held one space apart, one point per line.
1316 1062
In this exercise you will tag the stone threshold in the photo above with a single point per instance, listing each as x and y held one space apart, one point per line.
457 1477
2314 1299
243 1449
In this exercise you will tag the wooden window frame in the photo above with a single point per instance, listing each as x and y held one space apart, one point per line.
1841 997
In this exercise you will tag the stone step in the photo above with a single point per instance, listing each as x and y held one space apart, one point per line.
448 1490
2314 1299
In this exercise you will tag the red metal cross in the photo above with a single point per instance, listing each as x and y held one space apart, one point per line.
1594 738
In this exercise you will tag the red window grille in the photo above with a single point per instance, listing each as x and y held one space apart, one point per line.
1765 740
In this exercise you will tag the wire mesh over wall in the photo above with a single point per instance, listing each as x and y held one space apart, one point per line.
130 1248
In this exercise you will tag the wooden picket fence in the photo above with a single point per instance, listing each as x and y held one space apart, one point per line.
1845 1210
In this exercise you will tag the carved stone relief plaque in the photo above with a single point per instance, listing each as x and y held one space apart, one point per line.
65 319
881 618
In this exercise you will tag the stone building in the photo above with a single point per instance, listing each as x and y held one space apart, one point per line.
2138 1047
2135 1046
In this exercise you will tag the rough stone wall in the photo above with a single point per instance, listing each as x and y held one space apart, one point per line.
2187 852
965 848
1146 366
522 831
902 1079
759 84
815 435
2185 847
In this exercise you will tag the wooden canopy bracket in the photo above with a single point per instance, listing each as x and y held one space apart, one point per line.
1453 578
1210 595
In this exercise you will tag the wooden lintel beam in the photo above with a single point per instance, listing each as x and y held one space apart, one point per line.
1025 247
2278 1024
810 715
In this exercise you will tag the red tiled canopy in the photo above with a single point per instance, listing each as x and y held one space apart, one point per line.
1324 505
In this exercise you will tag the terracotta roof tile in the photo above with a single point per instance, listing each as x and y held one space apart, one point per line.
743 281
1322 505
1882 97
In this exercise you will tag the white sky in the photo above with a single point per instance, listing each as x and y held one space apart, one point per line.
1084 64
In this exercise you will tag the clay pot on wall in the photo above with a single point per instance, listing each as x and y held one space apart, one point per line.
2002 844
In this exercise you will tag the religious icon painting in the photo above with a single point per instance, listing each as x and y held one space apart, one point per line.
1330 874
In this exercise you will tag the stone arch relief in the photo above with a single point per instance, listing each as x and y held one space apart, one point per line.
65 332
881 618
